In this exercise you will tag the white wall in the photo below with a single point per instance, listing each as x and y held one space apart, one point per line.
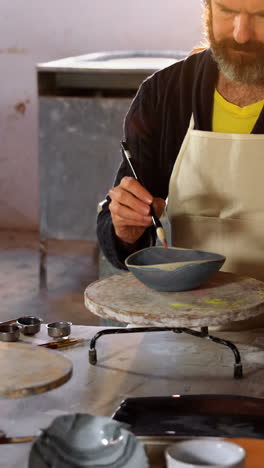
34 31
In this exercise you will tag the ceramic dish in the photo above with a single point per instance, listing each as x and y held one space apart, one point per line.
173 269
156 447
205 453
82 440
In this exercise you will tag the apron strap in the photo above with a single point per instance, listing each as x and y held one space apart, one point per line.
191 124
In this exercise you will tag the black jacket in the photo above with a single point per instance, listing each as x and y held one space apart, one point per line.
154 129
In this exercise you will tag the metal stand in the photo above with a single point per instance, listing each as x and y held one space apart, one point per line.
238 369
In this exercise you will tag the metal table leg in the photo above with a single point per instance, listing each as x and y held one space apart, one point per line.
238 369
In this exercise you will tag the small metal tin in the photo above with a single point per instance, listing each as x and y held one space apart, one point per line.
9 332
59 329
29 325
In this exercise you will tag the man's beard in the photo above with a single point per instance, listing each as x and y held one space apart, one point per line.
247 68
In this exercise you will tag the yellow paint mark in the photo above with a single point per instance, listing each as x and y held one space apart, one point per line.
247 278
217 302
180 304
236 303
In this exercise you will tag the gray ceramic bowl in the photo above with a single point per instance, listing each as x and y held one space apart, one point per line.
173 269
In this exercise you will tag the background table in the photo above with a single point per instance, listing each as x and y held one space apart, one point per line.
146 364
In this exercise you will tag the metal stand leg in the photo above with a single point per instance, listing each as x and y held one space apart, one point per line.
238 369
43 247
117 331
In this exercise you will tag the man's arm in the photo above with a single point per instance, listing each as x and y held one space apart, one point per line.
126 199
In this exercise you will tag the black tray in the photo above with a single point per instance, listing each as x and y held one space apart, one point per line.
194 415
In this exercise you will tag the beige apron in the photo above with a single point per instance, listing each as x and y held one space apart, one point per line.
216 198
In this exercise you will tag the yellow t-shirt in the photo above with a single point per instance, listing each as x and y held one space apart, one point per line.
229 118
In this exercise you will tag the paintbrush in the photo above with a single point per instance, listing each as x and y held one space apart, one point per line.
64 343
159 228
16 440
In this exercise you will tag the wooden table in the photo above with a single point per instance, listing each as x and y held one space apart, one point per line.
146 364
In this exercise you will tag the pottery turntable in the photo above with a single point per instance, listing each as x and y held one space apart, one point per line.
28 370
226 299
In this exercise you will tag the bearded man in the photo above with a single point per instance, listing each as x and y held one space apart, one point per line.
196 133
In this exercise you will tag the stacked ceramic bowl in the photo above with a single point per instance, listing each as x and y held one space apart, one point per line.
82 440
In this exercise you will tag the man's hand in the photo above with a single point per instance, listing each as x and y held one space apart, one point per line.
130 209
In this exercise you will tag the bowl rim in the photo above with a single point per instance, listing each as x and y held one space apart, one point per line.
218 257
58 325
35 320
